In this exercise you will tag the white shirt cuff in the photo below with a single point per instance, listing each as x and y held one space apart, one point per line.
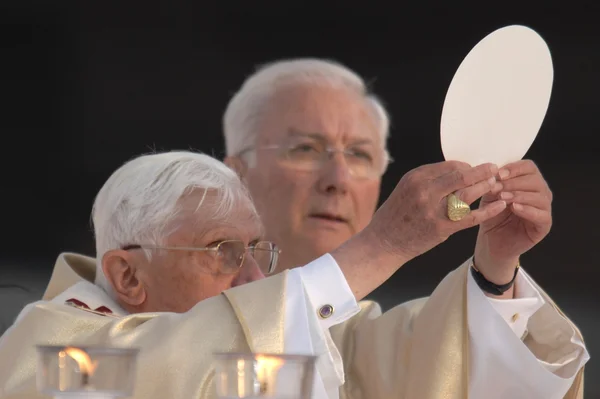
502 365
328 291
318 297
516 312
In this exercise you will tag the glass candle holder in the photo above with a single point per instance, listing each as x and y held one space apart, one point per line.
255 375
86 372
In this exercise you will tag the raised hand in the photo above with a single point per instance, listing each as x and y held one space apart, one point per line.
525 222
414 218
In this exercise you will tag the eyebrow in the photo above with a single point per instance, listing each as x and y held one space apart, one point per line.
321 137
218 235
296 133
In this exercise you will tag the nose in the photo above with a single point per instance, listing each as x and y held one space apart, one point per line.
334 175
249 272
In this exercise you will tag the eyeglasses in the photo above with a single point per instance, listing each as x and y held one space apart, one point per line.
312 156
231 254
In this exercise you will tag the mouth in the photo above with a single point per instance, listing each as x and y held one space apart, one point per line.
328 217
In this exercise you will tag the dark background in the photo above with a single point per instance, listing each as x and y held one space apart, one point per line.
88 85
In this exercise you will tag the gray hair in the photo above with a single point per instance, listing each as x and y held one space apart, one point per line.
138 203
247 106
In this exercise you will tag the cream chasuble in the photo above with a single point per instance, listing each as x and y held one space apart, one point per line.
418 350
176 353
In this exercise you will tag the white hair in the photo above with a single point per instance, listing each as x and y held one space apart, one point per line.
249 104
138 204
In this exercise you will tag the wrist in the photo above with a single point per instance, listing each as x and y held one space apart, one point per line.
385 244
367 262
379 246
371 246
497 272
498 291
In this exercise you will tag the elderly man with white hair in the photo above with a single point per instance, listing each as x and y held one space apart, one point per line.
309 140
178 240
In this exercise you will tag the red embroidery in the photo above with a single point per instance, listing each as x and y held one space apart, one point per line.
101 309
104 309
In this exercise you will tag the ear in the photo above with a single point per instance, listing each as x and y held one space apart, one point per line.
121 268
238 165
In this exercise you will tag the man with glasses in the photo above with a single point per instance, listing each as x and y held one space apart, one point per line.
177 241
309 141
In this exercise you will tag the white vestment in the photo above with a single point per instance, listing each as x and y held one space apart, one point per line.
501 365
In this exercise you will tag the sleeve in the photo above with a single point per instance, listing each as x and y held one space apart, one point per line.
318 297
421 348
328 291
502 364
516 312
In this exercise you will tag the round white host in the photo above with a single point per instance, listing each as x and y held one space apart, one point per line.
498 98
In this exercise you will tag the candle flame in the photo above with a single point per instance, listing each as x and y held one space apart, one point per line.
266 372
85 363
264 362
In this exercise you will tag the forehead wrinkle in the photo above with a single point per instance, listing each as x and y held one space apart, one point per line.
189 230
241 221
231 231
351 109
187 220
354 141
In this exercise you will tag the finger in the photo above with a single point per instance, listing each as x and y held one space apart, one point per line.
459 179
493 194
476 191
531 213
528 183
536 200
519 168
441 168
481 214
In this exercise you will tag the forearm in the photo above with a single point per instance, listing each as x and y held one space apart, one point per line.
366 263
495 269
506 295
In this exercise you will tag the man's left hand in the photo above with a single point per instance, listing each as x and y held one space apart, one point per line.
525 221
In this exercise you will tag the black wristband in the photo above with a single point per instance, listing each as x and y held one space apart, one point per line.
488 286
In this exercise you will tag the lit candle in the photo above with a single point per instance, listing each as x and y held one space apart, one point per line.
266 373
84 362
241 372
62 363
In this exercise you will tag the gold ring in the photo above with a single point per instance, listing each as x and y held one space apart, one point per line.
457 209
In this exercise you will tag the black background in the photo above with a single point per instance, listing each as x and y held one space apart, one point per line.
88 85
